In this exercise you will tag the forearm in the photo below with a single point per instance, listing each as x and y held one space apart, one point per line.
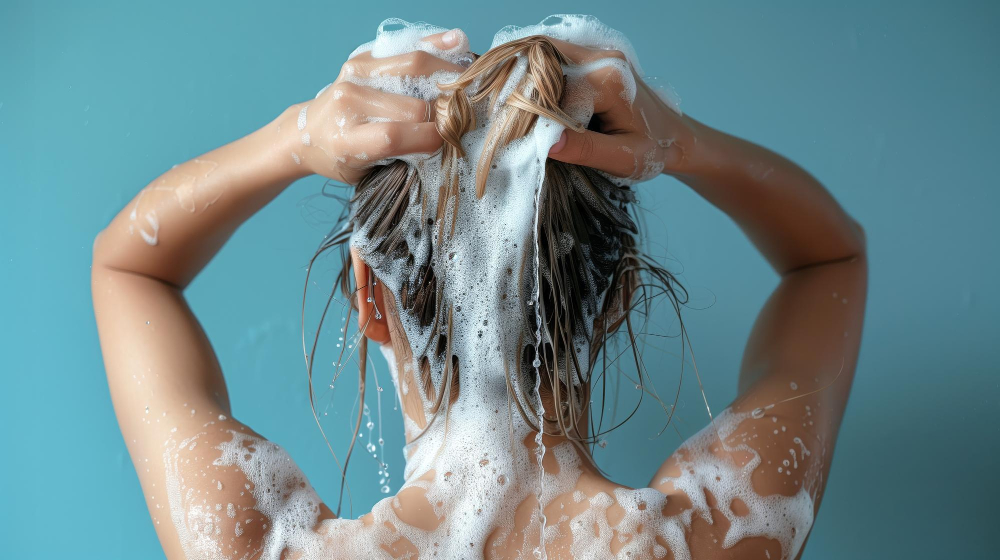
178 222
785 212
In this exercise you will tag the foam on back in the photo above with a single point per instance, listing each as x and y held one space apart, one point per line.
480 479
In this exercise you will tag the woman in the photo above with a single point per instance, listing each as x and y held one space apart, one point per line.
457 203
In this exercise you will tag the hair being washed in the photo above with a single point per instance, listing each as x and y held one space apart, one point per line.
603 269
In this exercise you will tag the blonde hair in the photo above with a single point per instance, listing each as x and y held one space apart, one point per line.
577 200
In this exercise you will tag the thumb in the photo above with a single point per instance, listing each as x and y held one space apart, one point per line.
589 148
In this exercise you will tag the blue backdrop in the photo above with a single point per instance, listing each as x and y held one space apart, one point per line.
888 103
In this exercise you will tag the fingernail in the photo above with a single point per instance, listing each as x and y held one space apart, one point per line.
465 61
558 146
450 39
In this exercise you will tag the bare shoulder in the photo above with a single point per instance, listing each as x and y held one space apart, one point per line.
233 494
735 490
747 485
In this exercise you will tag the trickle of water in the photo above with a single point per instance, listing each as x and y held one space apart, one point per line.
380 450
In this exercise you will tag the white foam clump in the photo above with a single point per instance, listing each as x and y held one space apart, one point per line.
710 467
475 465
302 119
280 493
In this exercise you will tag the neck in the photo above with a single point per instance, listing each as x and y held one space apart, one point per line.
478 433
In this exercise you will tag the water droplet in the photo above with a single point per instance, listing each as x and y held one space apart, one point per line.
794 386
381 441
370 447
385 489
757 413
147 410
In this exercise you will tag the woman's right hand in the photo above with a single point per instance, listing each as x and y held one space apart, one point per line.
636 140
348 127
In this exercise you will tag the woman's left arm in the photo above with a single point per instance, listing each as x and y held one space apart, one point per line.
164 378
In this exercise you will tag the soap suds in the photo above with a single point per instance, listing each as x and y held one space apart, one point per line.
301 122
478 480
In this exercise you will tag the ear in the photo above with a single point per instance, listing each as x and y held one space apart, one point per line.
378 328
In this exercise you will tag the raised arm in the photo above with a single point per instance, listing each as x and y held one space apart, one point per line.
213 486
801 354
166 384
754 477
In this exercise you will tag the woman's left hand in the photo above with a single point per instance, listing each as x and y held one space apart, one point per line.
348 127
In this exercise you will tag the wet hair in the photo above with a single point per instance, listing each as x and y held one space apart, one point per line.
589 262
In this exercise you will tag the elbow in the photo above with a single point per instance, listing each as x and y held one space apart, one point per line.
860 240
849 244
99 253
109 248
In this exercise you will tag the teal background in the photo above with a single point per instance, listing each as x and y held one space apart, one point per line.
891 104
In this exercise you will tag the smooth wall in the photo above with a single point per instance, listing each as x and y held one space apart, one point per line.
891 104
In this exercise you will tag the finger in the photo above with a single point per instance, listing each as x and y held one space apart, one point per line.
607 71
448 40
374 104
392 139
416 63
579 54
606 152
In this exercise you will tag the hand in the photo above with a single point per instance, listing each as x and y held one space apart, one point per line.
638 140
348 127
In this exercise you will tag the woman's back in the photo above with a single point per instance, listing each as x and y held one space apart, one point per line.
492 283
